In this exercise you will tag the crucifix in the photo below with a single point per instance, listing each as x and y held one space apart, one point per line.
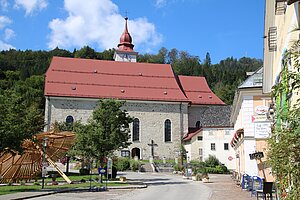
152 147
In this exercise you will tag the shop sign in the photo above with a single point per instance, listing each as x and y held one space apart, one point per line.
262 130
256 155
261 110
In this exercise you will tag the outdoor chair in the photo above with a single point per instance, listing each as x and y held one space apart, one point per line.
267 191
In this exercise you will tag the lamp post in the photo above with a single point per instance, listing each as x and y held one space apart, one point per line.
44 161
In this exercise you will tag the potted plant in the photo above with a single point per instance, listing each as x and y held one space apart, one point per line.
205 177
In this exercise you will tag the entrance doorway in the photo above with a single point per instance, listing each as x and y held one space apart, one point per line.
136 152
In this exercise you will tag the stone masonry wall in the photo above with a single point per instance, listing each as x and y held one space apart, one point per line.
152 116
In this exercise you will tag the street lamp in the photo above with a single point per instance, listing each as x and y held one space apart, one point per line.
44 161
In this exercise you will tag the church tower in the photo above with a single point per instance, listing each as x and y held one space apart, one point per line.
125 50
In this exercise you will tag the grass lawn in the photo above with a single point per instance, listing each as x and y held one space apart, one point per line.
23 188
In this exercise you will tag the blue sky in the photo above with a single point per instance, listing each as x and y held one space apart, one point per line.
222 28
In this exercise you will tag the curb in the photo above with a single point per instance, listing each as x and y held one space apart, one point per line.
95 189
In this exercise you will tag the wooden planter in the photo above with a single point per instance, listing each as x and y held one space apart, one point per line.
122 178
205 180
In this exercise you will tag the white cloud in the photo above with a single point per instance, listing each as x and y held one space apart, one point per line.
98 23
5 46
4 4
4 21
160 3
8 34
30 5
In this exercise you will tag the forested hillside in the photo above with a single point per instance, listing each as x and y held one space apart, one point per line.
22 83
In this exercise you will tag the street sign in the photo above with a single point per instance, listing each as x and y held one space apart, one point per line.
44 171
101 170
109 166
230 158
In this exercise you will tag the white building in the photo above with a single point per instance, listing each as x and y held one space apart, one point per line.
211 135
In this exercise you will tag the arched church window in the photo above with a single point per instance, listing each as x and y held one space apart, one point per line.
136 130
167 130
198 124
69 119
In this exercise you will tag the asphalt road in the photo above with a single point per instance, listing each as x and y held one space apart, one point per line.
160 186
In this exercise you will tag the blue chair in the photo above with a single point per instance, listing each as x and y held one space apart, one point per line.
257 184
245 181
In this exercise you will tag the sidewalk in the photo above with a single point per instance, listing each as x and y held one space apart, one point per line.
224 188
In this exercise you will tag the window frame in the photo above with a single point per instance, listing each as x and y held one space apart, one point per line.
168 130
136 130
226 146
213 146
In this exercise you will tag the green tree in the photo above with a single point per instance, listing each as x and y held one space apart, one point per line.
105 132
86 52
18 120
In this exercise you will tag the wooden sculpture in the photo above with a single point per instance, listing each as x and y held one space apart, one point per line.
25 166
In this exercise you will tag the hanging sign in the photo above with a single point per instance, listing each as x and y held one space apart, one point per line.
261 110
101 170
256 155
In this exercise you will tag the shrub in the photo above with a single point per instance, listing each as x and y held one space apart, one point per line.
134 165
177 167
212 161
196 163
82 181
84 171
36 183
198 177
122 164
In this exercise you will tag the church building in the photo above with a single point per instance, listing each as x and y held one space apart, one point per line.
164 106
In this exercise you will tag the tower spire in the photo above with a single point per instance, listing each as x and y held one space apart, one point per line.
125 39
125 50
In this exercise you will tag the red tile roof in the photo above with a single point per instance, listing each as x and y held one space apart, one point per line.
192 132
76 77
197 91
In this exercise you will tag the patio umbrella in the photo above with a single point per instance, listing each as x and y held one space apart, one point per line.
15 166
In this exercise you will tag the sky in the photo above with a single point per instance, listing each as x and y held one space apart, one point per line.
222 28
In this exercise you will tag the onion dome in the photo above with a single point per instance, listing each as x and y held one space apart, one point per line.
125 40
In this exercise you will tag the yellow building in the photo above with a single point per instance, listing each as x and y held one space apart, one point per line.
280 32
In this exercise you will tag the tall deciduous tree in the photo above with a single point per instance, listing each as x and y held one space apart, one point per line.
105 132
